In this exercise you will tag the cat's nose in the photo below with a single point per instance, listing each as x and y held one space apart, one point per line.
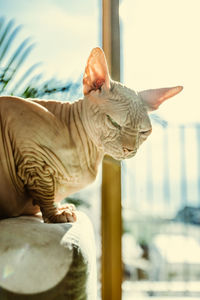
127 150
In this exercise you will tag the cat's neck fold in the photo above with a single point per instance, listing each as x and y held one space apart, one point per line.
76 119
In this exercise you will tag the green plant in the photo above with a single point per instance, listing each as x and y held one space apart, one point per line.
30 83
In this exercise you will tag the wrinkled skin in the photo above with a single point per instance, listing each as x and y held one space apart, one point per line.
51 149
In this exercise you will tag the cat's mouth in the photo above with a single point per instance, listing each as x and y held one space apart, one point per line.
128 153
127 156
124 154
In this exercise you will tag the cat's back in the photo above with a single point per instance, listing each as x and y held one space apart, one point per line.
25 120
22 110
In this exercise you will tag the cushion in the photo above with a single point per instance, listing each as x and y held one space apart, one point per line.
47 261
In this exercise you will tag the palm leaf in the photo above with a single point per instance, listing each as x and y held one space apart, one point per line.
18 52
21 60
5 32
26 85
9 42
24 77
2 20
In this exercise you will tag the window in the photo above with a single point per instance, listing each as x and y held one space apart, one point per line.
161 194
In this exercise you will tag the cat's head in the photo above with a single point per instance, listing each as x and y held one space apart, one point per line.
116 116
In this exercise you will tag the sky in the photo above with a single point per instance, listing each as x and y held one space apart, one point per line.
160 44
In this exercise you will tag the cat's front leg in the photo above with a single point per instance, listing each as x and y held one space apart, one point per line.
40 186
52 214
67 212
43 195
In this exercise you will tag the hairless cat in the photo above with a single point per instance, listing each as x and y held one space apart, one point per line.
51 149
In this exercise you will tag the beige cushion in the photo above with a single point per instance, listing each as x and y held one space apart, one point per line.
47 261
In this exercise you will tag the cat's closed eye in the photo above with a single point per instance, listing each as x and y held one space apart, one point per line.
145 133
114 123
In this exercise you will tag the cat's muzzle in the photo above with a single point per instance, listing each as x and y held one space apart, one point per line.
128 153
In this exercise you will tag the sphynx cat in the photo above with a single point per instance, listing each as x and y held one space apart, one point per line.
51 149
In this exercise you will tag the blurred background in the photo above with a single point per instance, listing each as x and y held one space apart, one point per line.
44 47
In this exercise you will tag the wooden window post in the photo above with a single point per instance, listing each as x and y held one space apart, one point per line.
111 175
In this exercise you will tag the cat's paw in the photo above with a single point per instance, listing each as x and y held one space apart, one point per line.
66 213
68 210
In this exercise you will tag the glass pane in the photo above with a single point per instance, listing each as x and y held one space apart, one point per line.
161 185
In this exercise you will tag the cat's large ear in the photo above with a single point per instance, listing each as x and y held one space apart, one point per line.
153 98
96 72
